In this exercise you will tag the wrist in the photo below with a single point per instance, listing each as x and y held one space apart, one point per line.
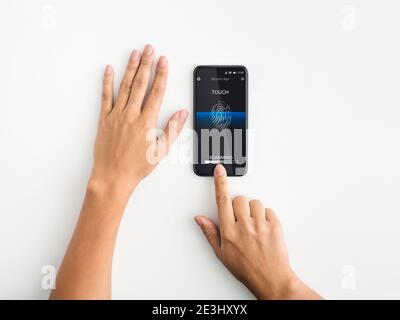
284 287
117 192
288 288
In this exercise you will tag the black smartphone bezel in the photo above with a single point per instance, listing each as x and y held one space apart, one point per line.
195 149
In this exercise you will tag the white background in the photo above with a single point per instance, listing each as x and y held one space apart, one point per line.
324 79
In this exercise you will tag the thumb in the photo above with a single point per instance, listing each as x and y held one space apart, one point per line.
211 232
171 131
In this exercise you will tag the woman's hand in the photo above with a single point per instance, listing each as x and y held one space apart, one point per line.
249 242
126 150
127 147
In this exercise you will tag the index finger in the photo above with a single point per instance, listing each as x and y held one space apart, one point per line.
224 203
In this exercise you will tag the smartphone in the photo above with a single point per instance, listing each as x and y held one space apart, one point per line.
220 119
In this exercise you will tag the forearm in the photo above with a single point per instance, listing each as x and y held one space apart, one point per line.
85 272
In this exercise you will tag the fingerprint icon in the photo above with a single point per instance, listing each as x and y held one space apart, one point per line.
221 115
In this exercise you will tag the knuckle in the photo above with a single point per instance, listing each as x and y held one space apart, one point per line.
162 73
131 67
227 234
105 96
132 118
129 118
146 62
251 229
222 199
228 238
125 88
120 121
140 82
222 183
109 123
158 91
209 235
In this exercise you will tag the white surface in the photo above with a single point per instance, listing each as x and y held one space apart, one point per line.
324 110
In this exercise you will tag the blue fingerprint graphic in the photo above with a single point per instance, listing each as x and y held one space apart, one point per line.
205 119
221 115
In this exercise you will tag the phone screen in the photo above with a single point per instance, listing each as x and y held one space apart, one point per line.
220 119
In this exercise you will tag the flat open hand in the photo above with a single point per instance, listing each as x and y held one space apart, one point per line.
127 147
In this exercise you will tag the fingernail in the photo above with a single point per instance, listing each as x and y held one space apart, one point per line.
108 70
219 170
162 62
135 56
183 114
198 221
148 50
